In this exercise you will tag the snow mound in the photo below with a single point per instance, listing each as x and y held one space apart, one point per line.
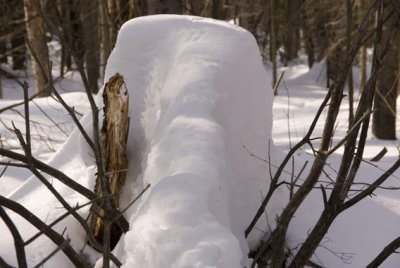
198 95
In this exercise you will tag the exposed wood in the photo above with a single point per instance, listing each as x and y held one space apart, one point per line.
114 135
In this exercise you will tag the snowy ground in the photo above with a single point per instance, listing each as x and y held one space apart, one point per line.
198 94
359 234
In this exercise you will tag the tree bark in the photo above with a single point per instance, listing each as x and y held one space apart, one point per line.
164 7
37 38
349 31
89 15
104 36
217 9
385 253
384 117
290 33
114 137
273 44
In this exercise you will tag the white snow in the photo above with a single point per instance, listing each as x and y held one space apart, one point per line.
187 78
194 85
200 101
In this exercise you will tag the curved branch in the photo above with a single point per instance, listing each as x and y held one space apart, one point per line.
18 242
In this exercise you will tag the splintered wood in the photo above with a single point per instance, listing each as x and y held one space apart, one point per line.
114 134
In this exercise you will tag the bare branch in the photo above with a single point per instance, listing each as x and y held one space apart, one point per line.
385 253
50 233
18 242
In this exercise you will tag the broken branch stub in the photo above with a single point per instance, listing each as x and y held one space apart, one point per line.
114 135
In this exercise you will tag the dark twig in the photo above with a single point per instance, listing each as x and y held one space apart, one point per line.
54 252
288 156
39 224
18 242
385 253
12 106
379 156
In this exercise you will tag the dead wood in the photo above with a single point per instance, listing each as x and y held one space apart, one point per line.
114 135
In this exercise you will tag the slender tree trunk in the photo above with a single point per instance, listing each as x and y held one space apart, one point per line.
3 57
3 32
363 63
105 36
67 30
217 9
111 15
249 18
37 39
384 117
363 52
273 44
290 35
17 31
350 78
1 88
18 48
307 33
164 7
91 42
137 8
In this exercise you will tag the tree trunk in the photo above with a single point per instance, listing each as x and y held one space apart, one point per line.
363 63
114 136
4 21
306 25
37 39
89 21
137 8
17 32
363 53
111 15
104 36
350 77
336 37
18 48
217 9
290 33
1 88
66 11
3 57
384 117
273 44
164 7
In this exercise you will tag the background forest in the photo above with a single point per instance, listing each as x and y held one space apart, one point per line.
87 31
352 46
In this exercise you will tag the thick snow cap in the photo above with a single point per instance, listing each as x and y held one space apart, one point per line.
198 94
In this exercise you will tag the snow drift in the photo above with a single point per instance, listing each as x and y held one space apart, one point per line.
198 94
